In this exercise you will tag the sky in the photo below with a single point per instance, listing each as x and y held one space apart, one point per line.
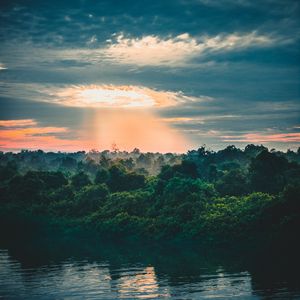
165 76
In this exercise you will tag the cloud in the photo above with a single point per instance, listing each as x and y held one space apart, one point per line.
177 51
225 3
27 134
17 123
152 50
264 138
71 63
110 96
2 67
195 120
246 4
147 51
180 120
92 40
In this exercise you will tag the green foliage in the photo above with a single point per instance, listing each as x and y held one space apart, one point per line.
232 183
90 198
121 180
205 195
8 171
102 176
80 180
267 172
187 168
134 203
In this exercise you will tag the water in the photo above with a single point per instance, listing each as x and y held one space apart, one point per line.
86 269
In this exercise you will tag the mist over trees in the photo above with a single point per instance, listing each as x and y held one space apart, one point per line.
201 195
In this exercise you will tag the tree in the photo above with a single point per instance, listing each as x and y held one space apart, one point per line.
253 150
120 180
267 172
52 180
80 180
232 183
90 198
27 188
8 171
102 176
68 163
187 168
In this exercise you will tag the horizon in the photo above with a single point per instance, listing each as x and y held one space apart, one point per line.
114 149
162 77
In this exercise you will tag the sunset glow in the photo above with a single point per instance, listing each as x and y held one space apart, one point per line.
99 130
130 129
33 137
114 96
122 115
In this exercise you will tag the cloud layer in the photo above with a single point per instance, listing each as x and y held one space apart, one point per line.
26 133
178 51
112 96
104 96
215 72
258 138
17 123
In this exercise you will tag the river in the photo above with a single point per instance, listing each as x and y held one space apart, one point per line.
77 268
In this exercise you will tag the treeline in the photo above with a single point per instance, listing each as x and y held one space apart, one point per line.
203 195
88 162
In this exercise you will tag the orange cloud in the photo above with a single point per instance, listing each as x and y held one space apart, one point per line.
30 132
127 128
13 137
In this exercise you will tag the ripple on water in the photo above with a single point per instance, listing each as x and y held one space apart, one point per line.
88 279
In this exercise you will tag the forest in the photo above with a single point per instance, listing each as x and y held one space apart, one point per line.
213 197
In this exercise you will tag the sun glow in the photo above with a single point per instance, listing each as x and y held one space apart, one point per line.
123 115
111 97
114 96
128 115
130 129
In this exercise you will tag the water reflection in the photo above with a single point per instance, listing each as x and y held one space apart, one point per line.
140 284
75 269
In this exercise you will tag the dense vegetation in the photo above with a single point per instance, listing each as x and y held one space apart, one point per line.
231 194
